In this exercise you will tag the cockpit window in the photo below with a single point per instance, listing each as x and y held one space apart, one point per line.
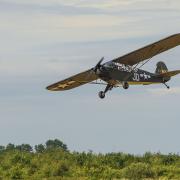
110 65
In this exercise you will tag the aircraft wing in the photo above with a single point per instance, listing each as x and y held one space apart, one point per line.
150 50
74 81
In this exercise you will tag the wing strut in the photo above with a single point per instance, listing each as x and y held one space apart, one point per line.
143 63
136 66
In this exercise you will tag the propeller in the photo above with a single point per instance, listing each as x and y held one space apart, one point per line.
98 65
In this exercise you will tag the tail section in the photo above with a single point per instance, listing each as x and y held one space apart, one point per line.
162 71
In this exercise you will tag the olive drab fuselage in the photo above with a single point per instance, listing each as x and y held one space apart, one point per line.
120 73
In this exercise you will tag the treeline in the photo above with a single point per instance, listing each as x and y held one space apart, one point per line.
53 160
49 145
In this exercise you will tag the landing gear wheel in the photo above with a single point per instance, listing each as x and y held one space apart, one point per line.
125 85
101 94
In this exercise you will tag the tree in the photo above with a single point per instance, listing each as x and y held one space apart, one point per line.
56 144
39 148
24 147
2 148
10 146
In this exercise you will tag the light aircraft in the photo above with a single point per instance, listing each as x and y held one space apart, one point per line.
125 70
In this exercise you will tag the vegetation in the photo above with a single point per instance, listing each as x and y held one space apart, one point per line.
54 161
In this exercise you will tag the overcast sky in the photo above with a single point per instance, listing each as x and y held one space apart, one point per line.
44 41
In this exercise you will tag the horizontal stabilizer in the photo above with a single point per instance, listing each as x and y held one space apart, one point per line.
169 74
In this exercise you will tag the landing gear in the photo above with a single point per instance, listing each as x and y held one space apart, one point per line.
125 85
102 93
167 86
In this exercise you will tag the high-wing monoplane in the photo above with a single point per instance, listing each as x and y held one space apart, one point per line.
125 70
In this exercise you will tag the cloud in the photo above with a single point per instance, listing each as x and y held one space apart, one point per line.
124 4
92 6
40 27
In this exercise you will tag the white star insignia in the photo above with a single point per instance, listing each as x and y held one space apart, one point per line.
145 76
63 85
71 82
66 84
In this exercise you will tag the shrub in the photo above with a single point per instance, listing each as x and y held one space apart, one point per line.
137 171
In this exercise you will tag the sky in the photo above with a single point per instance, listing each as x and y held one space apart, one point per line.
44 41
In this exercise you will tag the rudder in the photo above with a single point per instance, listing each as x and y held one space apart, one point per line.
161 68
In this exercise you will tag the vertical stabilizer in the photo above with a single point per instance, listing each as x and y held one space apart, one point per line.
161 68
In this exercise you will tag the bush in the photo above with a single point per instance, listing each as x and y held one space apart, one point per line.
137 171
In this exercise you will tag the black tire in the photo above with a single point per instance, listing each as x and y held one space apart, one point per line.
101 94
125 85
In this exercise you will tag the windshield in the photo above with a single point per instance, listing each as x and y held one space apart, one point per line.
110 65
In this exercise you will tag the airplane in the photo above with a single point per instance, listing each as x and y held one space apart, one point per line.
125 70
